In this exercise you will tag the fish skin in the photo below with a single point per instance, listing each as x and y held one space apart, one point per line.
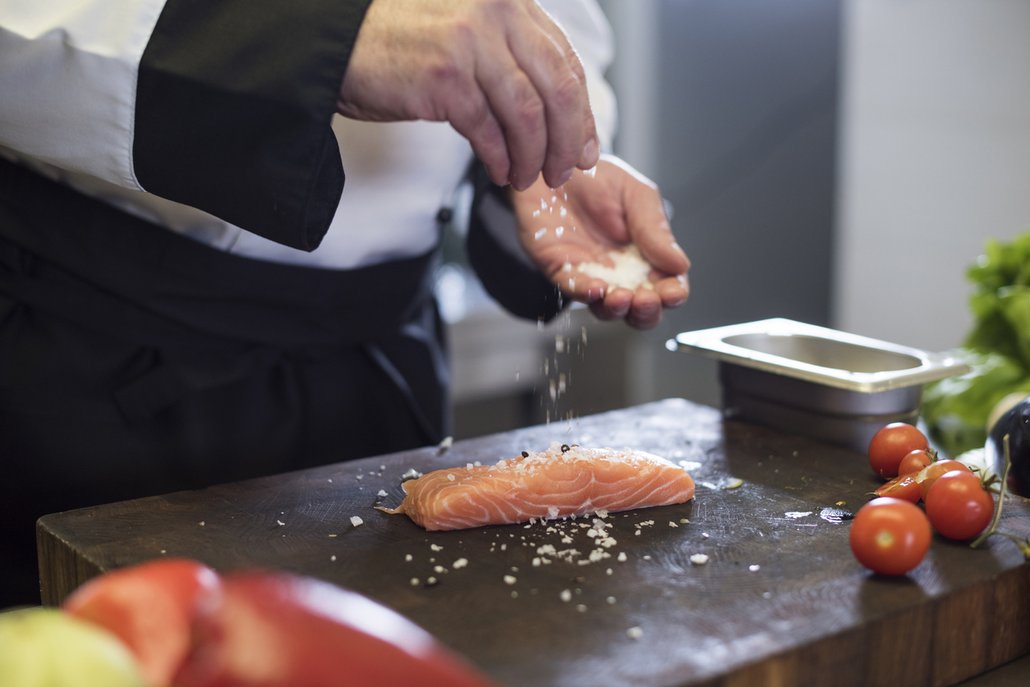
559 482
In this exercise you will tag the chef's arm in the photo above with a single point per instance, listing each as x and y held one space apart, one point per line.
224 106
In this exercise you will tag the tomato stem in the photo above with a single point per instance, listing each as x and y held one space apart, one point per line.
1024 546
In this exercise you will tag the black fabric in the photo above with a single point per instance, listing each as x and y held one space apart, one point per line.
134 361
233 108
523 290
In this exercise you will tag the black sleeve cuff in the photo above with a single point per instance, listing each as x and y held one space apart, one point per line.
233 110
520 288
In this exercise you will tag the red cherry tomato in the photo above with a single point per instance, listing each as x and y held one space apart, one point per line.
890 536
151 607
928 475
890 444
914 461
902 487
958 506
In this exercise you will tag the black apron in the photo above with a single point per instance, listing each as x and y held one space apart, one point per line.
135 361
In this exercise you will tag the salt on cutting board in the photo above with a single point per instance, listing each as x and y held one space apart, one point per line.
560 482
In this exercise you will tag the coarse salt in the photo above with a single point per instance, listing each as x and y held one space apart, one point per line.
635 632
628 270
356 521
699 558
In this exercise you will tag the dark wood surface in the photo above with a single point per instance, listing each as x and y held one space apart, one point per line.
780 600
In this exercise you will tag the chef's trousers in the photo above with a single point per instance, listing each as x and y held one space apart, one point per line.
135 361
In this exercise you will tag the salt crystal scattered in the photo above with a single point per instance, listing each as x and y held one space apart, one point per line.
460 563
382 492
280 523
635 632
356 521
333 557
698 559
754 568
435 547
510 579
566 595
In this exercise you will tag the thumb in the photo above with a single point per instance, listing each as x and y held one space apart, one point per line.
649 226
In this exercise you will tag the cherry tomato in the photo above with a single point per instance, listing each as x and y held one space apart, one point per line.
928 475
890 444
903 487
890 536
958 506
914 461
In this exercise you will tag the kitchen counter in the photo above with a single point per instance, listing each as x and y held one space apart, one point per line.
780 600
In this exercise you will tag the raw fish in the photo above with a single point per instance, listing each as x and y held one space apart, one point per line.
559 482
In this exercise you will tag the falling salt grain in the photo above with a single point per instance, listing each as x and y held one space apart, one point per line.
435 547
699 559
460 563
566 595
333 558
407 558
610 600
382 492
635 632
414 581
510 579
582 608
280 523
201 523
754 568
356 521
539 233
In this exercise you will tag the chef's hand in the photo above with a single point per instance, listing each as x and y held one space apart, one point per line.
607 208
500 71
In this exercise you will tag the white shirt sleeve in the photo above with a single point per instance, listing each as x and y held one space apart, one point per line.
73 66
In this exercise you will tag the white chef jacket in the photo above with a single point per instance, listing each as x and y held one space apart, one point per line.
69 78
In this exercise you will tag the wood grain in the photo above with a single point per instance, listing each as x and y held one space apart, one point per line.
781 601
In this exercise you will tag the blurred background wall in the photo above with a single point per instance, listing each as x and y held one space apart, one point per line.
839 162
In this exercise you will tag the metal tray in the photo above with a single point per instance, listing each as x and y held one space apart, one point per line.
830 384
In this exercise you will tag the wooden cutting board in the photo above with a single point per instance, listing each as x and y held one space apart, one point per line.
779 601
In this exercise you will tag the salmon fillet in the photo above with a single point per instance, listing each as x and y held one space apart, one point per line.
559 482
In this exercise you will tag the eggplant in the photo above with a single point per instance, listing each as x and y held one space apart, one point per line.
1015 422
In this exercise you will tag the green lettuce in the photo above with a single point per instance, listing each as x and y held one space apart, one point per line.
997 349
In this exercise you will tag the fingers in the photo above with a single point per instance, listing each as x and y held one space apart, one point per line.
590 155
564 125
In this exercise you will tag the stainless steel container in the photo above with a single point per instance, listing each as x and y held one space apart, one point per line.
828 384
